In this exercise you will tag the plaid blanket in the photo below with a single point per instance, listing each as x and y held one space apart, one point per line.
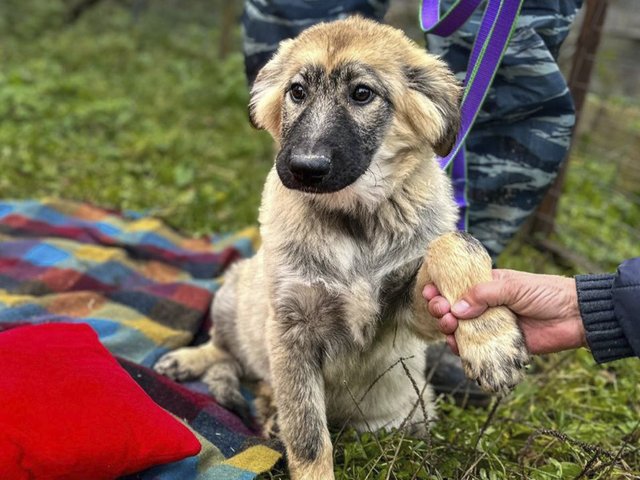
145 290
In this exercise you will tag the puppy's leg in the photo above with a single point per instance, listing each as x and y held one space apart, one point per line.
223 380
492 347
192 362
186 363
266 412
299 393
218 369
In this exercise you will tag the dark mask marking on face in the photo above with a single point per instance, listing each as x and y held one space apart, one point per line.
327 142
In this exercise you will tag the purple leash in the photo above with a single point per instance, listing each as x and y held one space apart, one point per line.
498 23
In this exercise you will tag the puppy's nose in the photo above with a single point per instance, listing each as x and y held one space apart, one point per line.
309 168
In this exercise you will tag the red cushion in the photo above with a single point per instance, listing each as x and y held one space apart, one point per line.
68 410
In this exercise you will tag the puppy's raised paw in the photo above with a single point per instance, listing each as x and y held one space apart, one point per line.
182 364
495 358
491 346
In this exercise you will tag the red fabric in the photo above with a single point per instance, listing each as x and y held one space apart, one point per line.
68 410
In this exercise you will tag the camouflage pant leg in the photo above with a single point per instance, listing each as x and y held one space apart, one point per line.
523 132
267 22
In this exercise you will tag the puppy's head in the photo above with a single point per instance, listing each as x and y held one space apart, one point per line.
354 98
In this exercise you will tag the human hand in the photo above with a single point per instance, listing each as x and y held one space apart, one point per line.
546 306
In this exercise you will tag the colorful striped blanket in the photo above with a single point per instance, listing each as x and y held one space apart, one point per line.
145 290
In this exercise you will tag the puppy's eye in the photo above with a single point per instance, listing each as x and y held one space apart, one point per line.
297 93
362 94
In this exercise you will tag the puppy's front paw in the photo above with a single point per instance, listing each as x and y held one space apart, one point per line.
182 364
491 346
496 360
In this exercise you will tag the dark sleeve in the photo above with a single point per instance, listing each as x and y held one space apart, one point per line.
610 309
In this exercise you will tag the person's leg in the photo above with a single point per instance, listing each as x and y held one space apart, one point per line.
523 132
267 22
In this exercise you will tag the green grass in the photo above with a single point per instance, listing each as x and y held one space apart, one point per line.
143 115
567 419
134 116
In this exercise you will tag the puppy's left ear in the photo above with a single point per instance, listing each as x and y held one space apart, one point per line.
434 83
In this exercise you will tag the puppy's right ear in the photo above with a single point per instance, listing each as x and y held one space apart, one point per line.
267 93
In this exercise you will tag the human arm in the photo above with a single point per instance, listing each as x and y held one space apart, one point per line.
557 313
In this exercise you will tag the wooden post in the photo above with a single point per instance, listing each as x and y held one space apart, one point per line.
227 24
583 62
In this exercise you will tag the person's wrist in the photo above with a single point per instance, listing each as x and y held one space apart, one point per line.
572 313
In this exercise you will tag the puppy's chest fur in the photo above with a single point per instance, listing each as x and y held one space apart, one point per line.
343 280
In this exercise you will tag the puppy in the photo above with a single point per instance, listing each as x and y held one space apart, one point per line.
332 299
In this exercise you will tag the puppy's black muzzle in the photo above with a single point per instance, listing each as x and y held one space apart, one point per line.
309 170
322 155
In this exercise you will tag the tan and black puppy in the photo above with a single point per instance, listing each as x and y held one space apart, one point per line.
332 299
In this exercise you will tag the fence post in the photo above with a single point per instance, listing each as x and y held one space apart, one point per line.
543 222
228 21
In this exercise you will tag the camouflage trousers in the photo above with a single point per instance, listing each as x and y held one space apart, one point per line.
523 132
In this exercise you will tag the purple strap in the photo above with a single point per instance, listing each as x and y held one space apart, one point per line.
497 24
431 22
